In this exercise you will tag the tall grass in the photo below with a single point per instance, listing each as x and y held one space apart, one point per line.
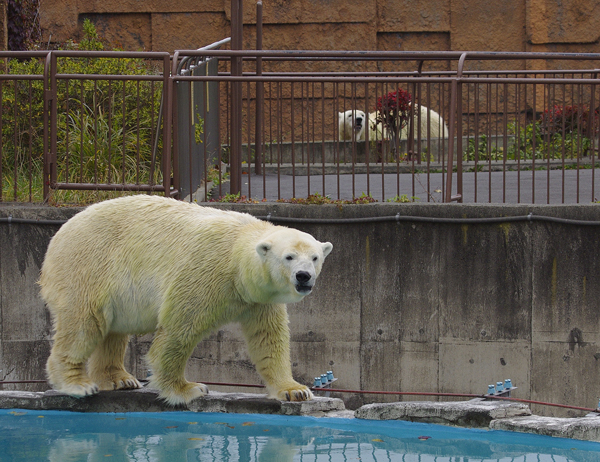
105 129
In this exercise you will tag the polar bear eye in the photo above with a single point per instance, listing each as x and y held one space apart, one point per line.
289 257
315 258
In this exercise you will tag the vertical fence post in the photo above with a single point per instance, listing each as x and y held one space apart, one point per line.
46 130
459 132
260 94
451 132
455 120
235 155
52 157
169 100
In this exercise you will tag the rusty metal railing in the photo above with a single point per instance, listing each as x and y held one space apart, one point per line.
504 126
481 127
114 113
90 122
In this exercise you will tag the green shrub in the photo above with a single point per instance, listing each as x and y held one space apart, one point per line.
540 140
548 144
480 151
104 128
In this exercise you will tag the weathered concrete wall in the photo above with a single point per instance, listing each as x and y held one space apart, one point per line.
534 25
407 306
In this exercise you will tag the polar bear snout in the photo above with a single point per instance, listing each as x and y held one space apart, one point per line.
358 124
304 282
303 277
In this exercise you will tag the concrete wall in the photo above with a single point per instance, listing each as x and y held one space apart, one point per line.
505 25
406 306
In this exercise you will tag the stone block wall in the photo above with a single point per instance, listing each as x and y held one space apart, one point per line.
433 25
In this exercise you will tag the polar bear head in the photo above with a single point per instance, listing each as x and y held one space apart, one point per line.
293 261
352 125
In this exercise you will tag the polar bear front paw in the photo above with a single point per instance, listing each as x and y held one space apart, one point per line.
297 392
184 393
70 378
80 390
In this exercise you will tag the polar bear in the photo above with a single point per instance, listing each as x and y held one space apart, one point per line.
351 125
437 126
142 264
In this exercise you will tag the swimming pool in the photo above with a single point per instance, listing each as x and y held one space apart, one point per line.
60 436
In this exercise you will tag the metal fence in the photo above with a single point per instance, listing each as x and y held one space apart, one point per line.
271 125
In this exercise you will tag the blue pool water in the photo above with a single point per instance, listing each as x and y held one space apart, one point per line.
60 436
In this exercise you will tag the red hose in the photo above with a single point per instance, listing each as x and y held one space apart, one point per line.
458 395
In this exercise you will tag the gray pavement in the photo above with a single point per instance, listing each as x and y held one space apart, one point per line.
511 187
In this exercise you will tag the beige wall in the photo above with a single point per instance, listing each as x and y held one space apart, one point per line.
504 25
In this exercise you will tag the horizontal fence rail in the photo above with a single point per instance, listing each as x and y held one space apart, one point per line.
277 125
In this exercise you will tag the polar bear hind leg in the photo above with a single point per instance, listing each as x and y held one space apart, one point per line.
70 352
105 366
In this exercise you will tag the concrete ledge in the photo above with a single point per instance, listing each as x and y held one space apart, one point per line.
515 417
473 413
583 428
146 400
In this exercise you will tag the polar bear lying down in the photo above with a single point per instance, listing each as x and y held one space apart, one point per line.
144 264
351 125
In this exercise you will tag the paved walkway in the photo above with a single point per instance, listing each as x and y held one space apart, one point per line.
549 187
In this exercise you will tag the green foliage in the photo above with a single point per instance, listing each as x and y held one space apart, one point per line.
480 151
319 199
90 40
217 176
530 141
104 128
403 199
198 128
235 198
94 148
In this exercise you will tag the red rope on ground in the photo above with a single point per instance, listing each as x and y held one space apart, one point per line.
21 381
458 395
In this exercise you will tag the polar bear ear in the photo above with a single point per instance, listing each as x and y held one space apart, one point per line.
262 248
327 248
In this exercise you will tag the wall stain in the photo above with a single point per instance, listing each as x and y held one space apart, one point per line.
465 228
367 257
506 228
553 284
575 338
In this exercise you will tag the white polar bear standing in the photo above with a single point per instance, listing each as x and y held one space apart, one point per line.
352 124
143 264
